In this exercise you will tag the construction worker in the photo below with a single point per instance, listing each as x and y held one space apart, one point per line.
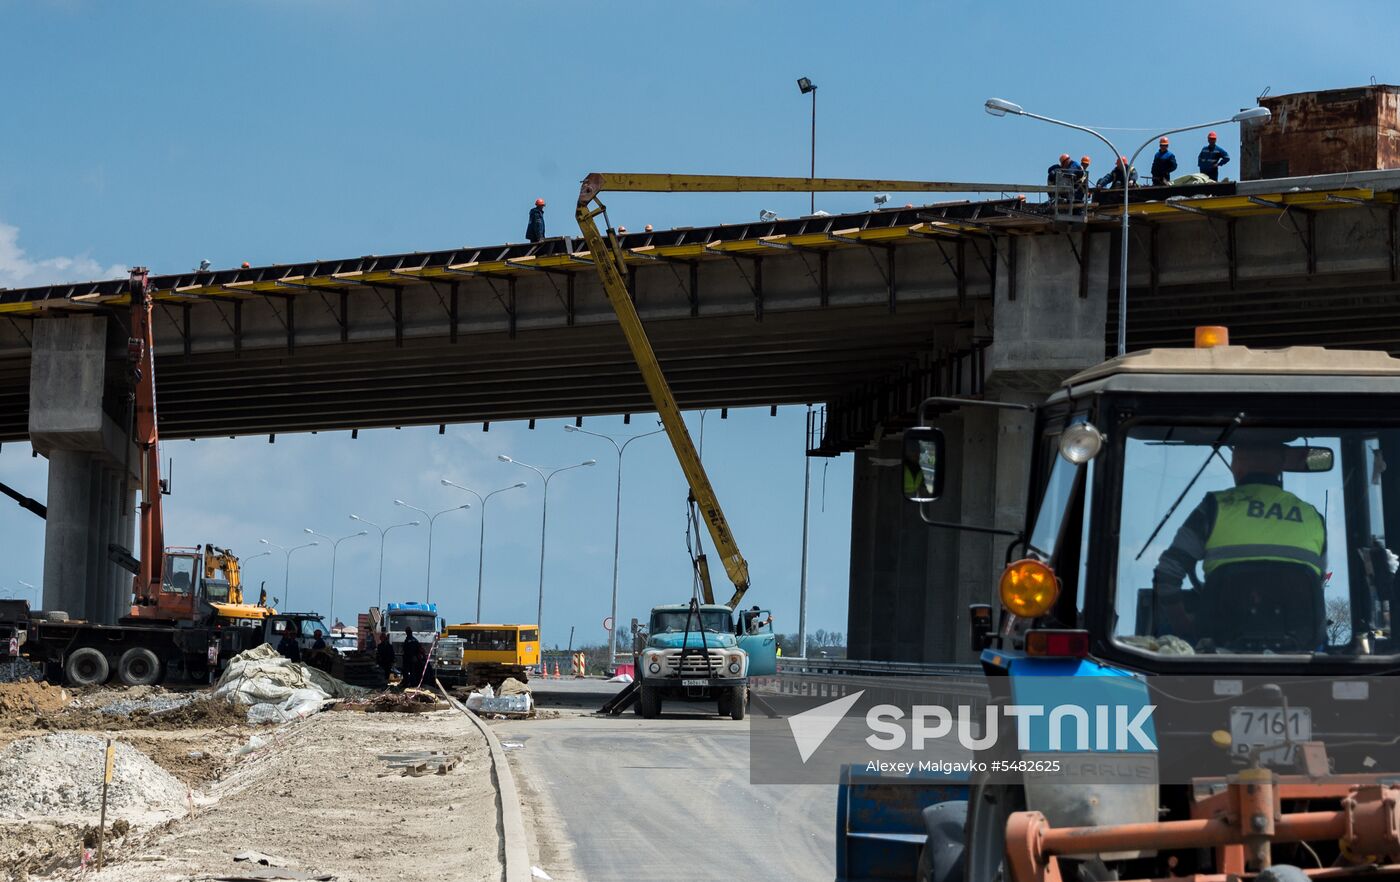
384 655
288 645
1084 171
1256 522
412 665
1163 164
534 230
1211 158
1065 166
319 642
1115 177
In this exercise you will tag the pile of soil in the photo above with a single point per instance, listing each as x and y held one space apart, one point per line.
60 775
201 713
25 697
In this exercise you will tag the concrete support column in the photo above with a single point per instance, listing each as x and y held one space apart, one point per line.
88 453
66 530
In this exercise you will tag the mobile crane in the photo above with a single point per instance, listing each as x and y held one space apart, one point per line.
681 660
183 617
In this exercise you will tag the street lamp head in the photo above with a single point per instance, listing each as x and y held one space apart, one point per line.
1252 116
1001 107
265 542
414 523
446 483
308 530
518 484
363 533
589 462
468 505
355 517
400 502
571 428
805 85
503 458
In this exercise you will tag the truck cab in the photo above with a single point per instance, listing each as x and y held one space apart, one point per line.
692 654
1217 518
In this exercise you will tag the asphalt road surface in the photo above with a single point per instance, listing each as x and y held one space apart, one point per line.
625 798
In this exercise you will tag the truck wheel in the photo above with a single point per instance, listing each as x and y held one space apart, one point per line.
989 808
650 702
86 667
138 666
738 701
941 858
42 615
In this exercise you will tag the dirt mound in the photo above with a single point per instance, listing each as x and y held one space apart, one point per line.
61 775
30 697
200 713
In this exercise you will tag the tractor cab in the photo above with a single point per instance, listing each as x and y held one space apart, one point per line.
1207 509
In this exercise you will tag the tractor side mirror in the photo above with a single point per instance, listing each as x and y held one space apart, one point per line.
922 464
980 625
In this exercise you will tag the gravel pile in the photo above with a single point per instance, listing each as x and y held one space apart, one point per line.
151 704
61 774
15 669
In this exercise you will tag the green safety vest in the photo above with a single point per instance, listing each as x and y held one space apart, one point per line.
1262 522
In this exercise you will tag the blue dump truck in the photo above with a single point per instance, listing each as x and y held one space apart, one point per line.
1192 672
703 652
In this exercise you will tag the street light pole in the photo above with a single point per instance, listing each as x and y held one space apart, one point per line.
286 577
617 524
481 538
1000 107
544 522
284 574
432 520
383 531
805 85
335 547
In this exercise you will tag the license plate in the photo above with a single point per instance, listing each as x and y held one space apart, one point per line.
695 682
1252 727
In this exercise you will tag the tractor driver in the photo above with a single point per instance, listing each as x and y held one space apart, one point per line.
1281 538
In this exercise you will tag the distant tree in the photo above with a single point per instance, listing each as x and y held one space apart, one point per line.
1338 621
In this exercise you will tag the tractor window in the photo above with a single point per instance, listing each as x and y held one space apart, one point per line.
1053 508
1275 546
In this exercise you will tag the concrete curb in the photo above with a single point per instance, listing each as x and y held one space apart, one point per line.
516 850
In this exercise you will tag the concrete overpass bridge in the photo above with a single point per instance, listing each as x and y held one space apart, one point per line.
865 313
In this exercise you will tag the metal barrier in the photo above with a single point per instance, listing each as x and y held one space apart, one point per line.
886 682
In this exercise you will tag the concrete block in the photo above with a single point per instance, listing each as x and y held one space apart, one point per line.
1048 331
67 378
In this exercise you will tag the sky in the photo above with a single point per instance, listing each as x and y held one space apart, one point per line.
163 133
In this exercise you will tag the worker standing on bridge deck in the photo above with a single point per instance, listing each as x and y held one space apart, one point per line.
1115 177
1211 158
534 231
1085 182
1163 164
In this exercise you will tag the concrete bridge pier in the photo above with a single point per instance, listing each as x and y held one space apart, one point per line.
74 388
911 583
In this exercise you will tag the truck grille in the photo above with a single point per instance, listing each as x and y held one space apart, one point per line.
694 664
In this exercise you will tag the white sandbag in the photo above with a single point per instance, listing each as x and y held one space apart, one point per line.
277 689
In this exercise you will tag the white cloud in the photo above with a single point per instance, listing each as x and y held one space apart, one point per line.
17 270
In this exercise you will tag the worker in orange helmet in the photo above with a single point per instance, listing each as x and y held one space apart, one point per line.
1163 164
1115 177
1065 166
1082 191
534 231
1211 158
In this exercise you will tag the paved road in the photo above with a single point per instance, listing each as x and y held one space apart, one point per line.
627 798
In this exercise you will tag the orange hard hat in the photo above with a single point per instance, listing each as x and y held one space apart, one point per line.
1064 157
246 264
539 202
1211 136
1083 160
1164 142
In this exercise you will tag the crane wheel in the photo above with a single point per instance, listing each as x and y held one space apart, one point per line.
138 666
86 666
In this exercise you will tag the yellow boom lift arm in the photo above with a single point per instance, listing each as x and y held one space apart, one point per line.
611 266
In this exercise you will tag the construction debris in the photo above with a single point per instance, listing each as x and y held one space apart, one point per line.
410 701
277 689
415 765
